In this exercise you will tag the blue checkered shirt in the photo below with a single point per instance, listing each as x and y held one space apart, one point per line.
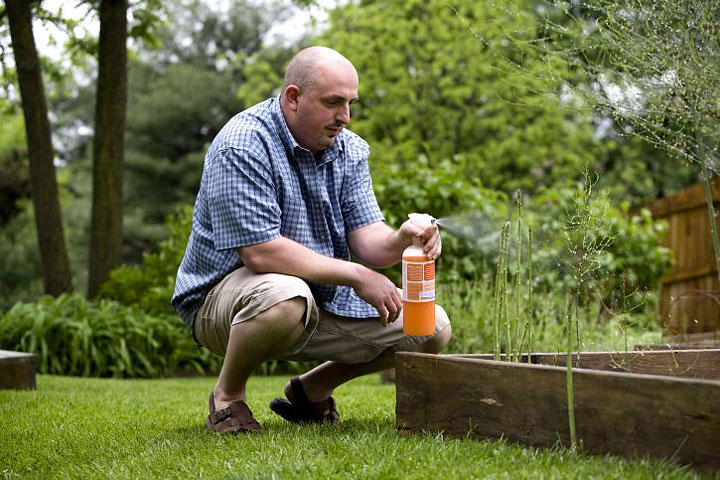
258 184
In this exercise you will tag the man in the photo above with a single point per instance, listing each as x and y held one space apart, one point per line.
285 197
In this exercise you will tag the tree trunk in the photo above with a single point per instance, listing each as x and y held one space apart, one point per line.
110 109
48 220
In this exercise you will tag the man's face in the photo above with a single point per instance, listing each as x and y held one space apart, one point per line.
320 113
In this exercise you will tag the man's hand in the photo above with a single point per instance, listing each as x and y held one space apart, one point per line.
376 289
429 237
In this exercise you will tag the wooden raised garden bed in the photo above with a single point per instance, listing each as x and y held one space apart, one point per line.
663 404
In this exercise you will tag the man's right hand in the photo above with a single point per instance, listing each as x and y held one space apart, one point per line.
376 289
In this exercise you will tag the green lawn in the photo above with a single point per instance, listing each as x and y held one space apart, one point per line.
104 428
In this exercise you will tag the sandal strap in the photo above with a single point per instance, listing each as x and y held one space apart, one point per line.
238 412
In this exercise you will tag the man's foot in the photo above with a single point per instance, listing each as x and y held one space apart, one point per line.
299 409
235 418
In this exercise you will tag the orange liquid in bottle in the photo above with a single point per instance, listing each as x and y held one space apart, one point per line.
418 316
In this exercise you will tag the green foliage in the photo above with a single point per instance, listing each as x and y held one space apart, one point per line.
15 181
180 96
441 191
150 286
264 74
636 172
469 304
656 67
436 80
73 336
12 135
586 245
20 269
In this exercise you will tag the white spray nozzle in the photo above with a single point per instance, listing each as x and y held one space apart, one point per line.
422 219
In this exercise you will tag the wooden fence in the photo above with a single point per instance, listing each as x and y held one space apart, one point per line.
690 295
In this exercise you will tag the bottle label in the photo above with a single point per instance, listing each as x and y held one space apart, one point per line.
418 281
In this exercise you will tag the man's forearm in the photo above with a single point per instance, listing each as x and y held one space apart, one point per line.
283 255
378 245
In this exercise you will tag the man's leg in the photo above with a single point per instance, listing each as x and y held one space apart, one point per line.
268 335
320 382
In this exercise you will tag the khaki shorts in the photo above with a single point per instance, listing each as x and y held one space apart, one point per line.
243 294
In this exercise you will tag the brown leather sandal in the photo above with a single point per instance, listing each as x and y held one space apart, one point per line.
235 418
299 409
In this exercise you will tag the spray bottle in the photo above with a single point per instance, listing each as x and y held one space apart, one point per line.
418 282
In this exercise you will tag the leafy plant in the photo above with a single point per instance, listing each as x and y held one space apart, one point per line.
435 81
654 66
619 255
20 268
470 303
74 336
442 191
150 286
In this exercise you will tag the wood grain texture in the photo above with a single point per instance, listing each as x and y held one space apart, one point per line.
690 294
691 341
618 413
700 363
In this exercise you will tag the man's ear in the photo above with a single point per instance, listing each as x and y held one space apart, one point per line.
291 94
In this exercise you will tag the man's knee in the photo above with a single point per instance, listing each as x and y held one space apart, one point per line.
439 341
286 317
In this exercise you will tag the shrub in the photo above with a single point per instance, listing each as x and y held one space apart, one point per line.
74 336
442 191
20 267
625 254
150 286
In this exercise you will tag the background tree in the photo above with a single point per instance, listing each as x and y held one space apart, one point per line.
48 220
445 90
109 146
655 66
180 95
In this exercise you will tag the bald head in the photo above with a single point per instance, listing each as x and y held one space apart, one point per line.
320 84
303 68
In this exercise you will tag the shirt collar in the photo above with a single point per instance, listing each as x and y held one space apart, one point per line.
330 154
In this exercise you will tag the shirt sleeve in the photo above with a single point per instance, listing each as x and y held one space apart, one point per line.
242 200
359 205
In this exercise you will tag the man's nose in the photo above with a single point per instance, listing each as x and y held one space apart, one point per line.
343 114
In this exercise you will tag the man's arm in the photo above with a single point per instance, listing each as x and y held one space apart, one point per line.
380 246
283 255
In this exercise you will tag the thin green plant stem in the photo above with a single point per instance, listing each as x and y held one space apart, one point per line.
500 292
518 280
503 303
568 376
624 310
506 314
707 182
529 307
578 343
495 319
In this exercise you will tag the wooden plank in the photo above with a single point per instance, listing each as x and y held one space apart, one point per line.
618 413
691 198
705 337
691 306
17 370
690 341
694 268
691 274
694 363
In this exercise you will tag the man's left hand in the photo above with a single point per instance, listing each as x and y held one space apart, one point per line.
429 237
